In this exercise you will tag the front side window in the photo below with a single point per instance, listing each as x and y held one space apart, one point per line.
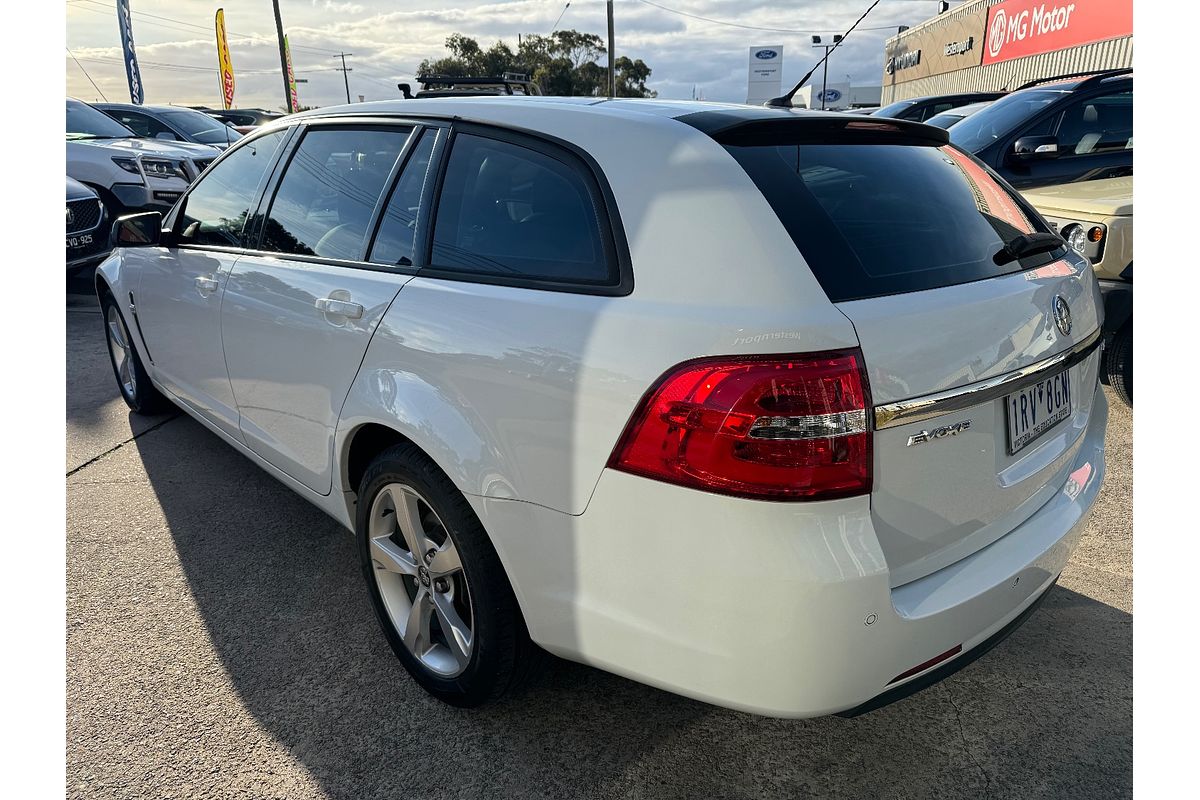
141 124
217 206
511 211
1002 117
1097 125
397 231
200 126
328 194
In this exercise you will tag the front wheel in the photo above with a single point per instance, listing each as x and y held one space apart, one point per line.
132 381
436 583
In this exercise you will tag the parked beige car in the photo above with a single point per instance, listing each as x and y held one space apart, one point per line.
1096 218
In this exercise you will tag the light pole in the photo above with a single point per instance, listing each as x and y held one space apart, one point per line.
612 73
837 37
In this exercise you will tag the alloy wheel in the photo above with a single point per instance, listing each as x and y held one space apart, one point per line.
421 580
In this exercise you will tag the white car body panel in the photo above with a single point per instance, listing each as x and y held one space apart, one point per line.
290 366
519 395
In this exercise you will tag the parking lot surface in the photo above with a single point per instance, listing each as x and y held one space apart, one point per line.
220 643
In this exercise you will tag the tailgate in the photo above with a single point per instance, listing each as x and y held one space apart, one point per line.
942 365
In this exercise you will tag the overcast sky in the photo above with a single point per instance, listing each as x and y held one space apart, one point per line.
176 43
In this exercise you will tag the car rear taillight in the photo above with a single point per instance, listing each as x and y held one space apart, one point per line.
772 427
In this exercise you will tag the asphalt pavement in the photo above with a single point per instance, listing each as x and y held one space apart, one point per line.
220 643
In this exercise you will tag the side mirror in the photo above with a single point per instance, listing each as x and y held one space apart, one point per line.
1035 148
166 136
137 230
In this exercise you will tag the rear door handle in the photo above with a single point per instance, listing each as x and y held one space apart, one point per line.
336 307
207 284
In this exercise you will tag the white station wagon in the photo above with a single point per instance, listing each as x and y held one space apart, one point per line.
793 413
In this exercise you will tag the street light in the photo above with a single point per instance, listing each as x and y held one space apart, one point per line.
837 37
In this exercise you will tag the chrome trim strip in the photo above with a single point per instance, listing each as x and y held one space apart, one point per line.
918 409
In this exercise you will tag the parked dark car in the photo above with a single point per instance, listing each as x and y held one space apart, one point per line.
956 115
87 237
919 109
1059 130
171 123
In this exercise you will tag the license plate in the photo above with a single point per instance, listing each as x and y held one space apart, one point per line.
1036 409
76 242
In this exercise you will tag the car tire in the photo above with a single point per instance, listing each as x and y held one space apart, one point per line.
132 381
1119 364
466 641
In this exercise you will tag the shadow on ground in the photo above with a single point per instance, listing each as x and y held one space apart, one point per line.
1046 714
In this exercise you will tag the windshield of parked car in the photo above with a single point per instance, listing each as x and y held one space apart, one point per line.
200 126
895 109
85 122
999 119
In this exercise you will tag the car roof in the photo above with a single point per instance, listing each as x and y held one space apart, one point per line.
498 108
151 108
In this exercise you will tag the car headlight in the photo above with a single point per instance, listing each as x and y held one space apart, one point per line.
127 164
1076 237
162 168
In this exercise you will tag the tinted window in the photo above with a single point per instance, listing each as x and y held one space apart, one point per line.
328 193
881 219
141 124
999 119
1097 125
896 109
508 210
397 231
217 206
85 122
200 126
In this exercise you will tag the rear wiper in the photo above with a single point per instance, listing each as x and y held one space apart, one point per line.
1028 244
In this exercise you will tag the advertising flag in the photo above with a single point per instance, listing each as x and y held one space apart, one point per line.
224 61
295 99
136 94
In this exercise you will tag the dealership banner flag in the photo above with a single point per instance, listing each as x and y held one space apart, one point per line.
295 99
136 94
225 62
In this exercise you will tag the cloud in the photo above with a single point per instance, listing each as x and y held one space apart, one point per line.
389 39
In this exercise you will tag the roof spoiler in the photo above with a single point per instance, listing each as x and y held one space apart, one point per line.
769 128
1096 77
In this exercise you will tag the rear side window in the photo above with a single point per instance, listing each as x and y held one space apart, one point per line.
327 195
217 206
397 231
881 219
515 212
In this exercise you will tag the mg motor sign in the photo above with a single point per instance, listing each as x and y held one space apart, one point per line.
1017 28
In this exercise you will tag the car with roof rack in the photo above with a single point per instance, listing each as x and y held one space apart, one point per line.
509 84
1056 130
695 393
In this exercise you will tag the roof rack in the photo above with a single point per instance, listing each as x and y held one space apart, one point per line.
446 85
1092 77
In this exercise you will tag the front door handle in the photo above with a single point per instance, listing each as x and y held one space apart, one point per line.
207 284
337 307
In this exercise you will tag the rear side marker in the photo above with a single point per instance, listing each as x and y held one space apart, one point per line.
933 662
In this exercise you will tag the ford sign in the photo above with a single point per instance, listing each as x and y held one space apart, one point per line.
766 55
829 95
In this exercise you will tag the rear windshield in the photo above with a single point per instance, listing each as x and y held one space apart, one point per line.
882 219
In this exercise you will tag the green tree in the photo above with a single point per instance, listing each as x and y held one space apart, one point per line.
565 63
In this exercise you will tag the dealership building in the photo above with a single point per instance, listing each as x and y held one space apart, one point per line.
997 45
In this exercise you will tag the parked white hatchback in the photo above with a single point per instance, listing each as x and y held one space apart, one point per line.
793 413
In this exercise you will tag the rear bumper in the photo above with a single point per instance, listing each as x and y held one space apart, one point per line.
782 609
